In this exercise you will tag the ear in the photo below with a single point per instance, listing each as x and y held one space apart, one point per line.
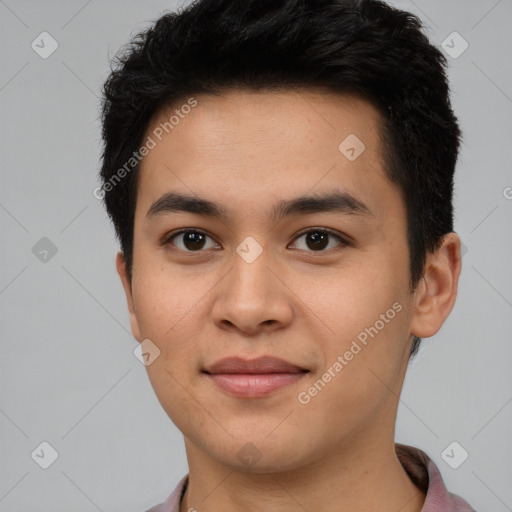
436 292
127 285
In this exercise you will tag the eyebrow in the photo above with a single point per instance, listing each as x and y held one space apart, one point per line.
333 201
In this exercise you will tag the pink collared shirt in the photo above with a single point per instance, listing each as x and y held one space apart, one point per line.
418 465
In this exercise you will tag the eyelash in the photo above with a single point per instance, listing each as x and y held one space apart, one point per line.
170 236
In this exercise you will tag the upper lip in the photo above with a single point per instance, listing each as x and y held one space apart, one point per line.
260 365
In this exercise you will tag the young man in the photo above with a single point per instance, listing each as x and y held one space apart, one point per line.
280 175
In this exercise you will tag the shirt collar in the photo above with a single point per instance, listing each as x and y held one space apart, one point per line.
417 464
426 476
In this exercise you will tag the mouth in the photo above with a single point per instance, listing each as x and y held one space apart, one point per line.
253 378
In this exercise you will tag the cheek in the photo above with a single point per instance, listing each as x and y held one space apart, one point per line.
170 312
172 391
161 293
165 309
354 294
361 376
365 310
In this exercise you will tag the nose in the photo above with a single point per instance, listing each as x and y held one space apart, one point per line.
252 298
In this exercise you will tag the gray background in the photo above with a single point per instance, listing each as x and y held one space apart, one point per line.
68 375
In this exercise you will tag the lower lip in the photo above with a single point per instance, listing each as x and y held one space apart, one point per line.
254 385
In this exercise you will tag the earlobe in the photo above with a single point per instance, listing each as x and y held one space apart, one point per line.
436 293
127 286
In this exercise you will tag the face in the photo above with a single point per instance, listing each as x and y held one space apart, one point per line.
250 270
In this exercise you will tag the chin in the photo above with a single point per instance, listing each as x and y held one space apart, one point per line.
260 455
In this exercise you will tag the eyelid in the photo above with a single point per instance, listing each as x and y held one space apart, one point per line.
166 240
345 240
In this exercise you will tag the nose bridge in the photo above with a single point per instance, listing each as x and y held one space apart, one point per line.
251 275
252 297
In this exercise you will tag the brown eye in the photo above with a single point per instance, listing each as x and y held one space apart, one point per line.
317 240
189 240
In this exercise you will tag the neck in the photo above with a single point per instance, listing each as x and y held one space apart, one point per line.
371 478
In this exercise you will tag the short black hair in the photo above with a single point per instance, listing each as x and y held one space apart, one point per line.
362 47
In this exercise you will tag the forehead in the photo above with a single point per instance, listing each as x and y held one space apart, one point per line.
242 148
241 116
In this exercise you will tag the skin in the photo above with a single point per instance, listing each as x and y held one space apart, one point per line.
246 151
